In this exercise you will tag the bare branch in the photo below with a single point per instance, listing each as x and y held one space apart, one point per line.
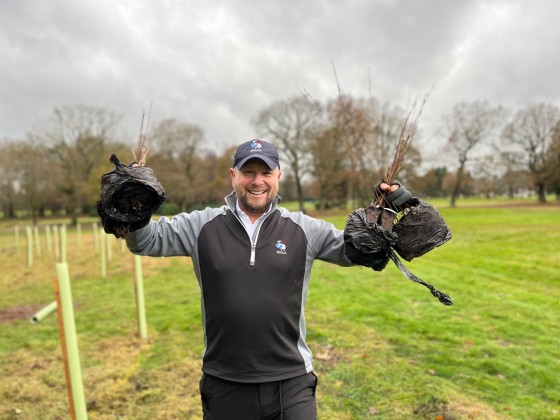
310 98
407 133
336 78
142 150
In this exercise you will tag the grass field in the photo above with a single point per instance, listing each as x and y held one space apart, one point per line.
384 347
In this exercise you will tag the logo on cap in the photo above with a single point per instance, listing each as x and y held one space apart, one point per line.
256 146
256 149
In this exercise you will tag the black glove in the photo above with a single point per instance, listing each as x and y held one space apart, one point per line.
399 199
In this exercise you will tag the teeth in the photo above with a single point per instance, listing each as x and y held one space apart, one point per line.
257 192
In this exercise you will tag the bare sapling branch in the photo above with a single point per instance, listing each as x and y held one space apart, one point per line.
408 130
308 96
336 79
142 149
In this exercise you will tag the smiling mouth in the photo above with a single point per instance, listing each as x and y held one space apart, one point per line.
256 192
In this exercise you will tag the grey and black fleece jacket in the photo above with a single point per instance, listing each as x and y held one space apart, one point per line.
253 290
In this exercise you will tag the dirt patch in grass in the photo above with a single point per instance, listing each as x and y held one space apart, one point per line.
33 386
18 312
122 387
462 408
116 385
456 407
326 356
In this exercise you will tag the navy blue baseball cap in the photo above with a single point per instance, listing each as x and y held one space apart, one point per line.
259 149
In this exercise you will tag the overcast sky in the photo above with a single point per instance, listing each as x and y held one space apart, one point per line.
217 63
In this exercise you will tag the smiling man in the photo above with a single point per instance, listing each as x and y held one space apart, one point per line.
255 177
253 262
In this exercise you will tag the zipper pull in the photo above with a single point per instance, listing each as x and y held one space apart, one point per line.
252 260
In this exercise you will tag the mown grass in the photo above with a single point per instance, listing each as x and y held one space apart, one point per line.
384 346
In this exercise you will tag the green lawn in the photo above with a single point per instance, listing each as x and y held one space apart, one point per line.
384 346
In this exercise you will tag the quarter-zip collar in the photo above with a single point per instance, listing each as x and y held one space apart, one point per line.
249 226
231 201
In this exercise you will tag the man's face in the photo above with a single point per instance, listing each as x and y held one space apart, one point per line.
256 185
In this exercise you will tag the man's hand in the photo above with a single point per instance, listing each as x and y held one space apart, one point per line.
388 188
397 196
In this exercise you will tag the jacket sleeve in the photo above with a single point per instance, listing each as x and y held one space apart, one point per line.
325 241
170 237
329 242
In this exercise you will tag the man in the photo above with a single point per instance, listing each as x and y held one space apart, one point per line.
253 260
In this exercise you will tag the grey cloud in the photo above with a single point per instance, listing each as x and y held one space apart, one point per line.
217 63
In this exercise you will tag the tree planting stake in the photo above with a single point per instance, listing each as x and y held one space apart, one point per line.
139 291
29 246
43 313
69 342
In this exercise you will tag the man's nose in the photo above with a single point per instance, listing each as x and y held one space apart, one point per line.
258 178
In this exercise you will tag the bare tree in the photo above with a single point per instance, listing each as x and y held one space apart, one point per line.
75 137
177 143
512 178
469 126
291 125
532 136
388 125
328 168
431 183
221 180
26 173
488 170
213 182
367 135
34 178
353 121
9 178
554 182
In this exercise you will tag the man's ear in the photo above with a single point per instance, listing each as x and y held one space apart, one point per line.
232 173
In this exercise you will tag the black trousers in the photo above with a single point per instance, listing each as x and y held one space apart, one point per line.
290 399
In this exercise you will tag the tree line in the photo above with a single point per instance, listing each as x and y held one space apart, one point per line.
332 153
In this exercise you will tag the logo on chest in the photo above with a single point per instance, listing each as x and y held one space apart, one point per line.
280 247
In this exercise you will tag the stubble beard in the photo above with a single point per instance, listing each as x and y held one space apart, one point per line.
247 206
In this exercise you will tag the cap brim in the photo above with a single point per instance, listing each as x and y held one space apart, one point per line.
270 163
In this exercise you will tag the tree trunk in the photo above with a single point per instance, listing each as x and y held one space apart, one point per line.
73 216
299 190
541 192
10 212
457 186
